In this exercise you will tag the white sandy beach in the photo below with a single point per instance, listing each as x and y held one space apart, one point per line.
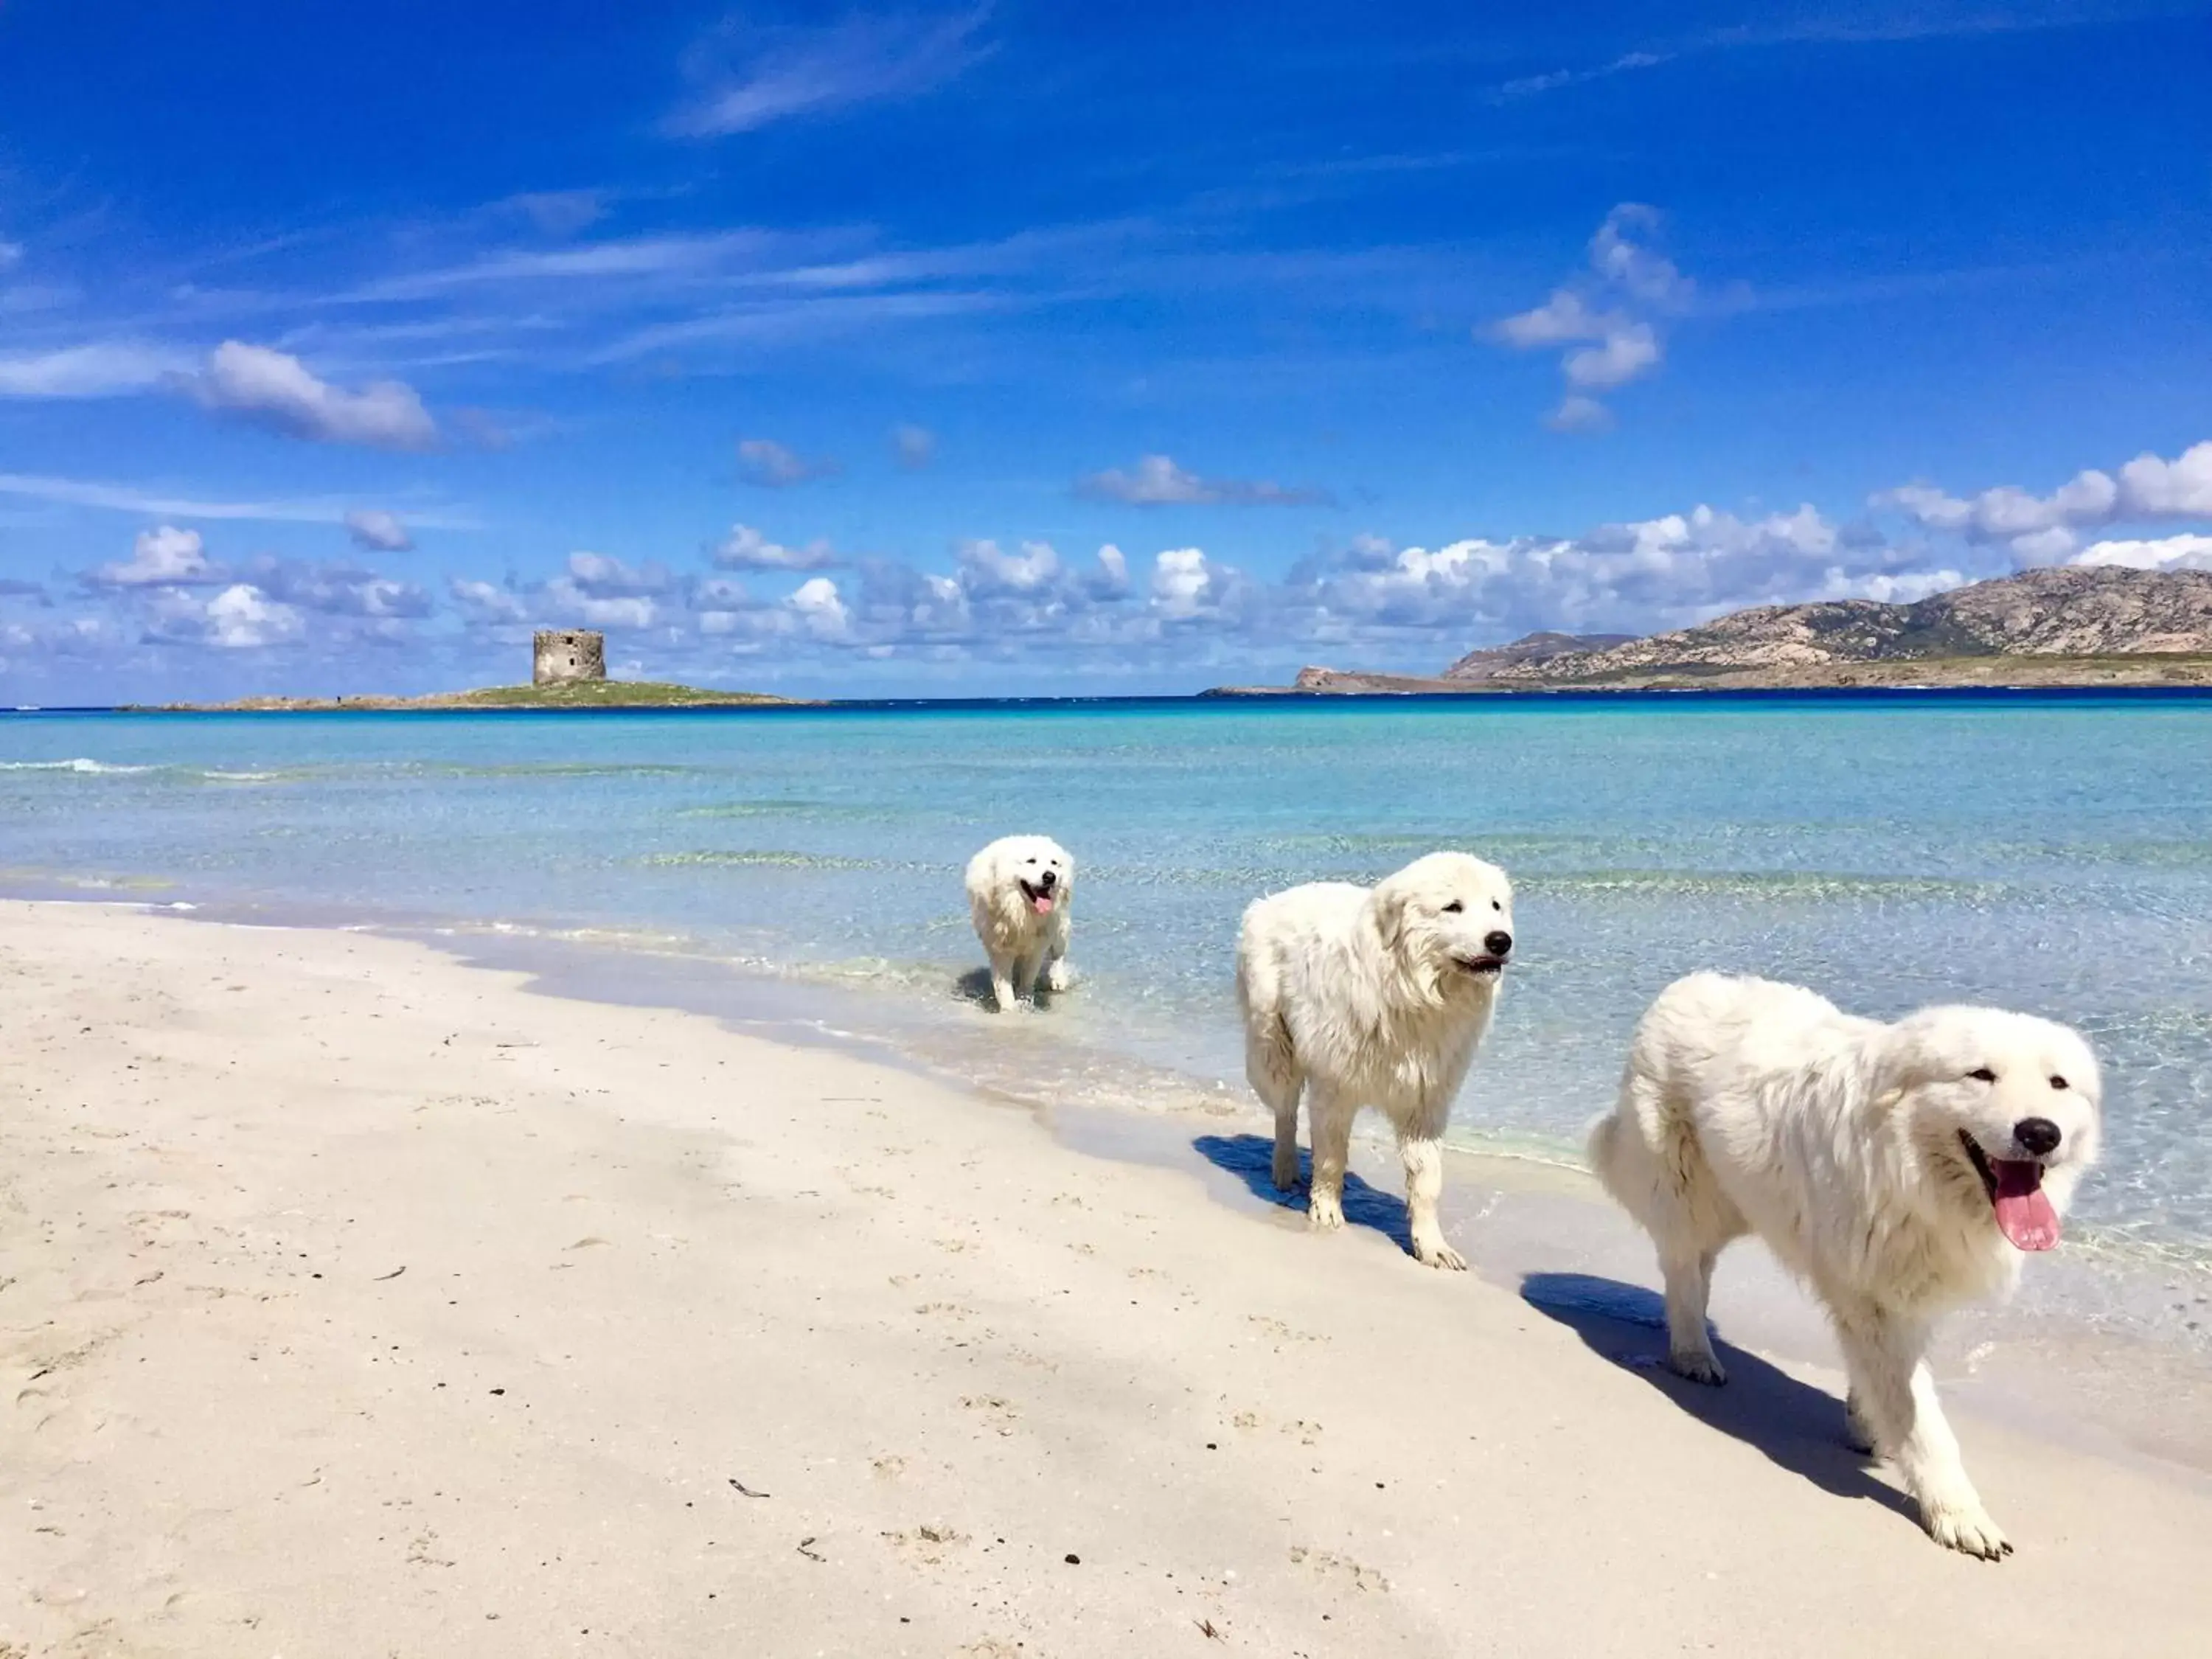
356 1303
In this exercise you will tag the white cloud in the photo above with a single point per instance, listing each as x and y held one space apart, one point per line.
2042 529
339 590
986 568
914 446
1190 587
1157 481
482 602
378 532
746 549
277 390
822 609
12 253
603 578
103 370
753 75
241 617
771 465
1669 571
1625 353
2184 552
164 556
1610 315
1577 413
601 592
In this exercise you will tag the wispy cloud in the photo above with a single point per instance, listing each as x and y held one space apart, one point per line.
1530 86
559 212
750 77
1849 25
101 369
1157 481
162 504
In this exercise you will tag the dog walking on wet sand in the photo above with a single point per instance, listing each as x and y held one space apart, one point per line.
1379 997
1018 891
1899 1170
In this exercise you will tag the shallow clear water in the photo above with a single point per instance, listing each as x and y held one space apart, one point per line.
2051 855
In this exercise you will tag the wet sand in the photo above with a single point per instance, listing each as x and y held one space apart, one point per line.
359 1301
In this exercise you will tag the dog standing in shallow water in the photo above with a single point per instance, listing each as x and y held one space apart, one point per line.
1373 997
1898 1171
1019 891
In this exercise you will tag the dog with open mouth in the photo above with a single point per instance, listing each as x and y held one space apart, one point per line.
1019 888
1899 1170
1358 996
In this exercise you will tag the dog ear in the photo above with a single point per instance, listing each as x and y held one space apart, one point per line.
1388 903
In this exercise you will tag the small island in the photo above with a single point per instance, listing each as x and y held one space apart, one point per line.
569 670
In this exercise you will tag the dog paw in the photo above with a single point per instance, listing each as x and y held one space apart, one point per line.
1285 1175
1854 1434
1323 1213
1434 1253
1704 1368
1057 977
1967 1528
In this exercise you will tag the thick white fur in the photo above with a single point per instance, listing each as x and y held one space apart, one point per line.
1358 997
1021 943
1753 1107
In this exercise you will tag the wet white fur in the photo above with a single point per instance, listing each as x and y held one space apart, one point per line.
1021 944
1749 1106
1355 997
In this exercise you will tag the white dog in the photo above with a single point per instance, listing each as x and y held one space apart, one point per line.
1898 1170
1019 889
1359 997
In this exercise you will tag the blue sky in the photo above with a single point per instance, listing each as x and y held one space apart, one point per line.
1028 347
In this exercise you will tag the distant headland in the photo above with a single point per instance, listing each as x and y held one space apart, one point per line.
2073 626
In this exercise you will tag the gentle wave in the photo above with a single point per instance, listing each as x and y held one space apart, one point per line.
1769 884
784 809
771 860
79 764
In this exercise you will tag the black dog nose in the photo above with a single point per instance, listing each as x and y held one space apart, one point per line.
1050 879
1497 944
2038 1136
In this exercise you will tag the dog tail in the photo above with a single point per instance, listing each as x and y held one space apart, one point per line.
1603 1150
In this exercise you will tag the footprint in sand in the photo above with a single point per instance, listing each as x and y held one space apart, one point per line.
1329 1567
999 1413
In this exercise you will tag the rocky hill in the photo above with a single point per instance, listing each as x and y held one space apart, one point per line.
2071 626
2085 615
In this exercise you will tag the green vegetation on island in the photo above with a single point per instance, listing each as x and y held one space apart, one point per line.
560 695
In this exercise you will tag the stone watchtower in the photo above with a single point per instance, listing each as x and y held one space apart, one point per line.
560 655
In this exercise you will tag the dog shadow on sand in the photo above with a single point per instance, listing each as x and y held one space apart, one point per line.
1798 1427
1251 1159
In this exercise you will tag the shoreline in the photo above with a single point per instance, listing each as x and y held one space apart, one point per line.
358 1293
1432 693
2098 1349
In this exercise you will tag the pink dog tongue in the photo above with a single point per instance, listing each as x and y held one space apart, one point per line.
1041 903
2024 1210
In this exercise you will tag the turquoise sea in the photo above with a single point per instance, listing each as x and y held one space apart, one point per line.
2051 853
